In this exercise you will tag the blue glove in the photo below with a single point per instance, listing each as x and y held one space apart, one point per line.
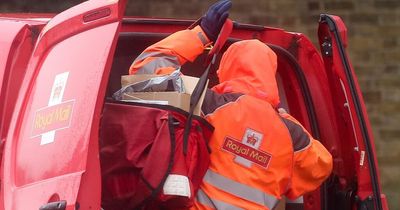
215 18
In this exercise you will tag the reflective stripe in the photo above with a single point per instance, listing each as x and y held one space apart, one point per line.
240 190
161 60
202 38
145 55
297 200
212 203
204 199
225 206
296 204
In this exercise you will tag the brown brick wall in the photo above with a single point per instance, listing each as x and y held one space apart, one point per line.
374 48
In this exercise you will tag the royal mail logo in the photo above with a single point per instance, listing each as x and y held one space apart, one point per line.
246 152
52 118
57 92
57 114
252 139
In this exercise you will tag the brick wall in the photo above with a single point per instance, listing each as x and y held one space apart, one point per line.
374 48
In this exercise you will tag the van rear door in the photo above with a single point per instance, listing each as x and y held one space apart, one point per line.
350 110
51 152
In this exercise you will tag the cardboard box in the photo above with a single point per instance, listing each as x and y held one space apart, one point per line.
176 99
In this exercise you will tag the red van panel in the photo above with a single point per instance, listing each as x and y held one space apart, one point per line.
51 152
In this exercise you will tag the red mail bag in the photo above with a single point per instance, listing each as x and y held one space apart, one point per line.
142 156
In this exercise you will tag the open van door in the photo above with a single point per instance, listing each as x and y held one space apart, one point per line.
51 151
357 175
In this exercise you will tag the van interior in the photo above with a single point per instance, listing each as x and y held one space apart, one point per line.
294 93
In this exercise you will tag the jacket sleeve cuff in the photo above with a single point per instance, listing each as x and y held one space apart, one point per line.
202 36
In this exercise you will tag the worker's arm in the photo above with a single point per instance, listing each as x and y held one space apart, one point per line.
170 53
312 161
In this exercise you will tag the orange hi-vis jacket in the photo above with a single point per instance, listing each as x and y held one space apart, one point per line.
257 153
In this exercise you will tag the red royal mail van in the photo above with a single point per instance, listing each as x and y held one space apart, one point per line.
57 71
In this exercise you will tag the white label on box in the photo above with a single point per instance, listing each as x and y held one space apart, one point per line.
177 185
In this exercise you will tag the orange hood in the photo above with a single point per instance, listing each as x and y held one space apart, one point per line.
249 67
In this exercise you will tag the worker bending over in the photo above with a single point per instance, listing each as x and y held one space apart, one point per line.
258 154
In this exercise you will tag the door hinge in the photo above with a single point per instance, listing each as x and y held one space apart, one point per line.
326 47
366 204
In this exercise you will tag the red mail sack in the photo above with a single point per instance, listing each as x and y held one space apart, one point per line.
142 160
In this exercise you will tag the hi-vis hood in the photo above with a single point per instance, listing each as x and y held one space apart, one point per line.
249 67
